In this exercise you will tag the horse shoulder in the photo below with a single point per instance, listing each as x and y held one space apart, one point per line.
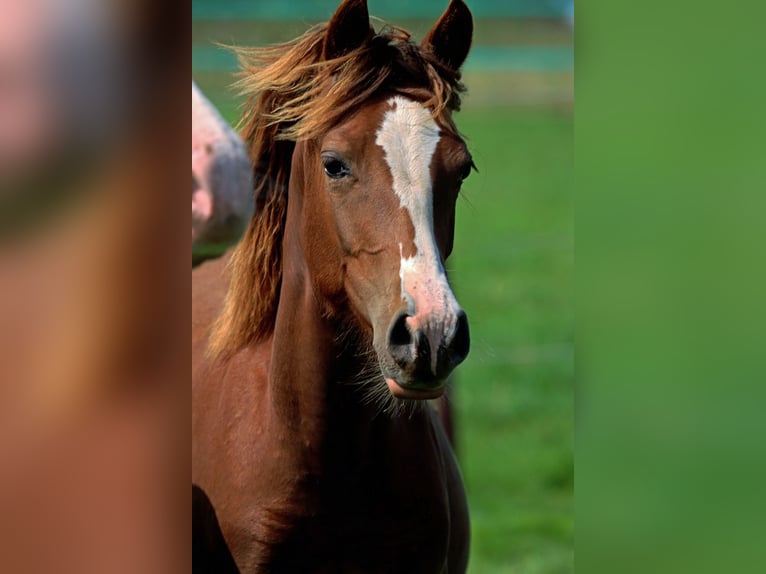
229 418
226 393
228 456
210 281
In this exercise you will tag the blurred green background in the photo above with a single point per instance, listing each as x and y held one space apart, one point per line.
513 260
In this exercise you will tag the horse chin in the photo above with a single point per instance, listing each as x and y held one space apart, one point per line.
413 393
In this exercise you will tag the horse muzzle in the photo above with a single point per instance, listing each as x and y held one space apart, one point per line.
425 350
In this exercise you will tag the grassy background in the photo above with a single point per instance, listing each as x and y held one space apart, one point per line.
512 272
512 269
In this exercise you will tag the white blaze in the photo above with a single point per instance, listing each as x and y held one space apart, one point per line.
408 136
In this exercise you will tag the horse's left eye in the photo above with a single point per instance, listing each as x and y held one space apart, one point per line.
335 168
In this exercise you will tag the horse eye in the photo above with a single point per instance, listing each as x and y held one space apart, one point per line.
335 168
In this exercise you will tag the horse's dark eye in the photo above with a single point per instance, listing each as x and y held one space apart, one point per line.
335 168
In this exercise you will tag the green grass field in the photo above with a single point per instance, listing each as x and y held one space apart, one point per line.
512 272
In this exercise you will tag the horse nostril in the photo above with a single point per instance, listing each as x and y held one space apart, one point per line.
461 339
399 333
400 340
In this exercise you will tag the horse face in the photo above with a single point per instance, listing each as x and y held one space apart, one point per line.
390 178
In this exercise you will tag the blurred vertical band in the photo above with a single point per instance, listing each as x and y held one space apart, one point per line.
670 207
93 286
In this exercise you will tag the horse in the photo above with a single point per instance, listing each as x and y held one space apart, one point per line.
221 176
319 340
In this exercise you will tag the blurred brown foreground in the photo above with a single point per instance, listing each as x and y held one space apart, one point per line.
94 401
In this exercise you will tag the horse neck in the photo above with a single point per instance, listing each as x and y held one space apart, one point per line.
312 397
301 360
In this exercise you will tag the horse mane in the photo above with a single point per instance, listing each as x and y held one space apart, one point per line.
294 93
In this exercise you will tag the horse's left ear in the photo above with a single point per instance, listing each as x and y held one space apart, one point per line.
450 38
349 27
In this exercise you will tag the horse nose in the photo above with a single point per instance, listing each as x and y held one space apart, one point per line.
424 350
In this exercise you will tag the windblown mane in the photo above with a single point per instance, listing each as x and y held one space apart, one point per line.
294 93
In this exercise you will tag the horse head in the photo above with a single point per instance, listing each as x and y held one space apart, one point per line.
355 127
378 192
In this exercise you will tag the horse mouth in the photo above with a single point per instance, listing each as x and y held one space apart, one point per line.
414 391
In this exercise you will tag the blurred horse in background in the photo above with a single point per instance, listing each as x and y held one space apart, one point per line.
222 180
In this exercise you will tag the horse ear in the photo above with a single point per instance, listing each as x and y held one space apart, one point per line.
450 38
348 29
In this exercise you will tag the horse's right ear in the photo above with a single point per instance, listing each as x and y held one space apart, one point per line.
348 29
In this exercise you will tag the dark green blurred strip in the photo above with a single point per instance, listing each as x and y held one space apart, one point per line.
496 31
481 58
322 9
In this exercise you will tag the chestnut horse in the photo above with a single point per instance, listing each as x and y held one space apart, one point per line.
318 340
